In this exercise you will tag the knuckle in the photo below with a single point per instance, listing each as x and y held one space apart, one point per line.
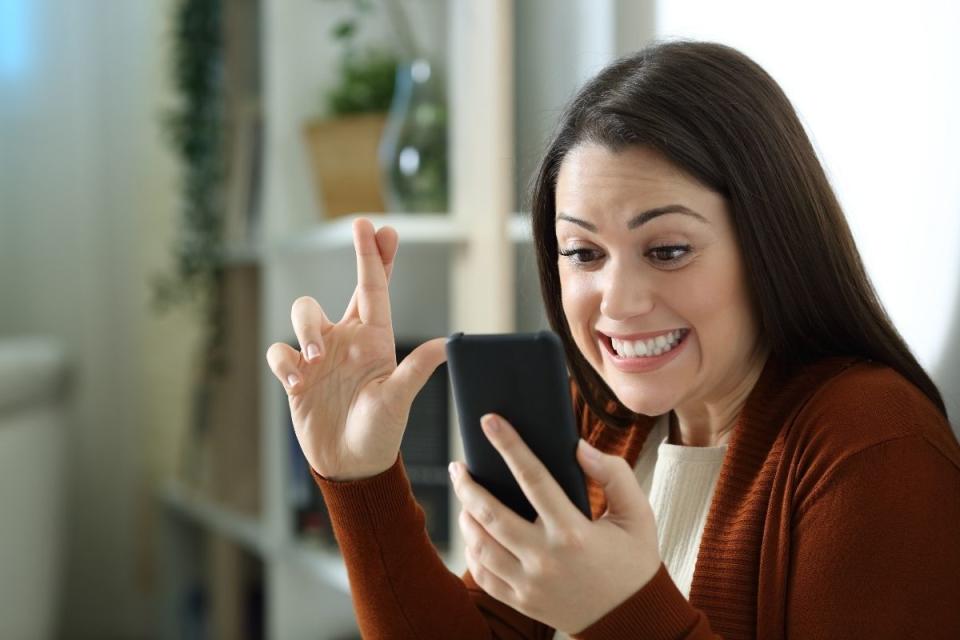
526 597
485 516
533 566
569 540
477 549
372 287
531 475
479 573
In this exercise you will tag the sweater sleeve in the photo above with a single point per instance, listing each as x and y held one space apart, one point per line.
876 547
658 611
399 585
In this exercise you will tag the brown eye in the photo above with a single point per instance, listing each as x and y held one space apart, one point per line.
580 256
669 254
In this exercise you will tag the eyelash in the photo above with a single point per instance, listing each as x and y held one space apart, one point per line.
671 247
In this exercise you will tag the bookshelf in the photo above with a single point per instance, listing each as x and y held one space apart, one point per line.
470 269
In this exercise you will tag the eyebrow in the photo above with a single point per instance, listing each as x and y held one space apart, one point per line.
641 218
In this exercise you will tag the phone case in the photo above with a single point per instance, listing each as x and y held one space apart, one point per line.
522 377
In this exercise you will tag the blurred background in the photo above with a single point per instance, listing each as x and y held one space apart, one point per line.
174 173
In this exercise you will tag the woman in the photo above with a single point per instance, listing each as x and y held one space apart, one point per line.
765 457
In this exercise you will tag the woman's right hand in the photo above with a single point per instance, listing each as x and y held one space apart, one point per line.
349 399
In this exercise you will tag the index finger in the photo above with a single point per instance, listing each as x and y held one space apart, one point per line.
386 238
373 298
542 490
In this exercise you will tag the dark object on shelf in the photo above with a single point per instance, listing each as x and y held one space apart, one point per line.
425 450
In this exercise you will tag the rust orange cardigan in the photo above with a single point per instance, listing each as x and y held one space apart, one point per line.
836 515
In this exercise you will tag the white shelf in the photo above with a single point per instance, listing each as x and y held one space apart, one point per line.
413 229
519 228
328 566
243 529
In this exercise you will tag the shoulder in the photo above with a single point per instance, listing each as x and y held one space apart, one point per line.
867 403
862 406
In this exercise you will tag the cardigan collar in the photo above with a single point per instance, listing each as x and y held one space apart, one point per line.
726 574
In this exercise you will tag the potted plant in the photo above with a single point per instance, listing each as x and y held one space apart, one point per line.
385 140
343 146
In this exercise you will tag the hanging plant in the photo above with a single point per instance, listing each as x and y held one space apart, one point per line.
195 130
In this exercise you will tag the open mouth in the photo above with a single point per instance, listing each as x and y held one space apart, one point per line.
645 349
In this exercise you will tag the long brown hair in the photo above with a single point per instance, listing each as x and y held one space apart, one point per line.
716 114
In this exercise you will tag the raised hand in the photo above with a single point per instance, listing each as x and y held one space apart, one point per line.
348 397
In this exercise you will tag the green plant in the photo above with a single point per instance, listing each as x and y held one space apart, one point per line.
366 83
195 129
367 75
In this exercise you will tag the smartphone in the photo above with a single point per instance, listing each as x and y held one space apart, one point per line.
522 377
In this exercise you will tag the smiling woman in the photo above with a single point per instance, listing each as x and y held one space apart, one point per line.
635 284
765 456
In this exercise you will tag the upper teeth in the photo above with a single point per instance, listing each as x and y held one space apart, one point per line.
651 347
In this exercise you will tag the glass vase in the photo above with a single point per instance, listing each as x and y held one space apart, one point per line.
413 150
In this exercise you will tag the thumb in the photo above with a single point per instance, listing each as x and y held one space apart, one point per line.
413 372
613 473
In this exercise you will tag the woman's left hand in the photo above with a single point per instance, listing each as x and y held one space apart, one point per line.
563 569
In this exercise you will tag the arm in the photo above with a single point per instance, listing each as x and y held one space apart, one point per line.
657 611
399 584
876 547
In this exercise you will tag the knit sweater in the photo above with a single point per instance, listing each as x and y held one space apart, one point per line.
679 482
836 514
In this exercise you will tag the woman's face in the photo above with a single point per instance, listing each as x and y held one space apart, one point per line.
631 274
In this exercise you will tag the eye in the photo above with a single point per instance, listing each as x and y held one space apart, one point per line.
580 256
669 254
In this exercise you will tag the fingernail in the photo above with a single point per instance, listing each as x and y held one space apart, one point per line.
312 351
454 470
490 423
293 379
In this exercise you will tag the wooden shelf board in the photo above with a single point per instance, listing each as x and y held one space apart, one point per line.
243 529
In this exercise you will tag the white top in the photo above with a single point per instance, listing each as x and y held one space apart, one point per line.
679 482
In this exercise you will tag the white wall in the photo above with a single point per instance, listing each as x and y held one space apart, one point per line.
877 86
559 45
86 199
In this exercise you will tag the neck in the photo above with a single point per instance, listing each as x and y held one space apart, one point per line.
710 423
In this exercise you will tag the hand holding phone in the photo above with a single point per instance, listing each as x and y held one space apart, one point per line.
522 377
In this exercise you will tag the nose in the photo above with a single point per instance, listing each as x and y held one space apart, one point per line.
626 294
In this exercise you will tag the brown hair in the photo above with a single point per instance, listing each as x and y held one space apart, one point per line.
718 116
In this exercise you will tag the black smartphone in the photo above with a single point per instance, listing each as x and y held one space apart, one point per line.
522 377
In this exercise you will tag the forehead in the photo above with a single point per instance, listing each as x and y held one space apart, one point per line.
597 182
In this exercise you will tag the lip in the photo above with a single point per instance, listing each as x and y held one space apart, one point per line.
640 336
642 364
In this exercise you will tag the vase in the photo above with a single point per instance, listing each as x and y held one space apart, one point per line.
413 149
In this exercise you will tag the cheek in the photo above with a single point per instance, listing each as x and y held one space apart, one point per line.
719 307
581 305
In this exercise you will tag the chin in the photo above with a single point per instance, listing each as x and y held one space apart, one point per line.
642 401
